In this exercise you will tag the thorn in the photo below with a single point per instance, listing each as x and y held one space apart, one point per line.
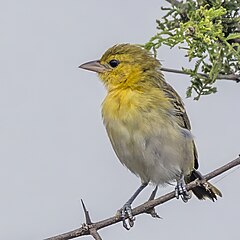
95 234
153 213
92 229
87 216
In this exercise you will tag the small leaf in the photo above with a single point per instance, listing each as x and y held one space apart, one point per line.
189 92
233 36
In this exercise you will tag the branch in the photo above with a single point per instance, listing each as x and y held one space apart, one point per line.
233 77
174 3
91 229
89 225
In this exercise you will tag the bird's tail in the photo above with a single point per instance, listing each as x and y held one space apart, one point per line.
207 190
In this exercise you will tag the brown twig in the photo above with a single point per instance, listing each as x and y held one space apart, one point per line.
89 225
173 2
233 77
143 208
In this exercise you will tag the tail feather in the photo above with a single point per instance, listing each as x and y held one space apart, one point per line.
204 191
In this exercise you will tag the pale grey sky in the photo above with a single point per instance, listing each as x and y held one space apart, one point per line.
53 146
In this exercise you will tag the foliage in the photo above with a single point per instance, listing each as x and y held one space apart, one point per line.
209 32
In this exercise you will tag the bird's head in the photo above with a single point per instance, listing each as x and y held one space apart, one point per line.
124 65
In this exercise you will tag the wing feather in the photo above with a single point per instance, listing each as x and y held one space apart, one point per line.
180 112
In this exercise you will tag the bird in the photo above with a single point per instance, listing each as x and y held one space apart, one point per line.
147 124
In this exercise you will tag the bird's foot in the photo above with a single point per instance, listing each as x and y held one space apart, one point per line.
126 210
180 190
127 216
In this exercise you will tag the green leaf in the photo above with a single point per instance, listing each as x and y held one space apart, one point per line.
233 36
202 29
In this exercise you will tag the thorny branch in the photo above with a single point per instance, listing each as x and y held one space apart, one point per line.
90 228
88 224
233 77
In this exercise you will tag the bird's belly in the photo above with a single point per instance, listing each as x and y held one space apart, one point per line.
158 157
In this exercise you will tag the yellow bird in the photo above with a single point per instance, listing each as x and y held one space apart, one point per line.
147 124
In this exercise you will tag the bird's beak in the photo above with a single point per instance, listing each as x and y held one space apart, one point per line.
94 66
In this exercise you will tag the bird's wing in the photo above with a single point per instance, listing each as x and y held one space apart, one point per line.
180 112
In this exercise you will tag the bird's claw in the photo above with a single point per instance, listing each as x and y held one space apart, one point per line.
180 190
126 215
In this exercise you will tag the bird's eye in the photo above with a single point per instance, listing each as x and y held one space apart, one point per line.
114 63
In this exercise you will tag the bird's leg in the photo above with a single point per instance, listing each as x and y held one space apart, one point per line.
126 211
180 190
153 194
152 211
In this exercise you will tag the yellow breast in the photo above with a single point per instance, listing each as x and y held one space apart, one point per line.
144 134
132 106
